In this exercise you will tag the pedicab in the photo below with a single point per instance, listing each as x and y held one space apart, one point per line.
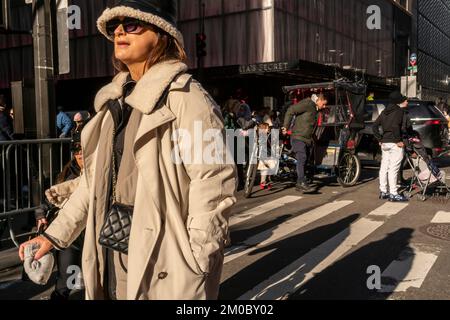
336 135
337 130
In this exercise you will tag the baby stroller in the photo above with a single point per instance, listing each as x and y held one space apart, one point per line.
428 179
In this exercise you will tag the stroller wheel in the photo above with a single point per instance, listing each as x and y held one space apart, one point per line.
408 195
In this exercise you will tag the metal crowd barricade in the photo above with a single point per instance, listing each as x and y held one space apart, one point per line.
29 167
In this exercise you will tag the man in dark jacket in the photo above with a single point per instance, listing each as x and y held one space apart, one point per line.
392 121
305 114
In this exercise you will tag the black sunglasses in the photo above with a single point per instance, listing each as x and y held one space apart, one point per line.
130 25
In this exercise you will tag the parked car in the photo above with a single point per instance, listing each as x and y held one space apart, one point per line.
426 118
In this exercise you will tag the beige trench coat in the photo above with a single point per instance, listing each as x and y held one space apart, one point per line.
181 211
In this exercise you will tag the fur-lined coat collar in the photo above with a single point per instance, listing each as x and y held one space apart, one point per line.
148 90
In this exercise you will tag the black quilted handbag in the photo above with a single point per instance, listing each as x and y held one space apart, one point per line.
115 232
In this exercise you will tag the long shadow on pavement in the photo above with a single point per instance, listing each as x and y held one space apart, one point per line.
347 278
283 253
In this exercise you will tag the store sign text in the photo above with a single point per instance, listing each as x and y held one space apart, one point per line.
264 67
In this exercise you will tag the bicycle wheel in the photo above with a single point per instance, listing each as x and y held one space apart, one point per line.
349 170
250 180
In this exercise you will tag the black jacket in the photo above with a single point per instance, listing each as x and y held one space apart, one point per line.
407 127
305 114
392 121
6 127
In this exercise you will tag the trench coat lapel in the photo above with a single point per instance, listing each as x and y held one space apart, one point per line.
149 123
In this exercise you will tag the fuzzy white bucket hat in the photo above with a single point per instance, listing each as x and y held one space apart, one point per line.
160 13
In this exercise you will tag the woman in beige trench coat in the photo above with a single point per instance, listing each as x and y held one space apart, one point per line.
181 199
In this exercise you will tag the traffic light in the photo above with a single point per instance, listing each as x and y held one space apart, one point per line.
4 10
201 45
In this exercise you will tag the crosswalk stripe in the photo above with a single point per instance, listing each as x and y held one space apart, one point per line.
388 209
269 206
278 232
441 217
408 271
292 277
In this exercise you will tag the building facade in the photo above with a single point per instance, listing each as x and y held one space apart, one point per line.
433 47
241 32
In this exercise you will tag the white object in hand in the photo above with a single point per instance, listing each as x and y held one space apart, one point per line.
39 271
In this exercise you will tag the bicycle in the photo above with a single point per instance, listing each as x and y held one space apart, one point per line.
280 162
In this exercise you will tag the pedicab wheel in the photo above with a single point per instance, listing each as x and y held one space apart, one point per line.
349 170
250 180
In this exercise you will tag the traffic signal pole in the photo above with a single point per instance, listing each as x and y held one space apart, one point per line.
44 68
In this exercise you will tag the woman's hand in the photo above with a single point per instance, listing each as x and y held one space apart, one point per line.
44 247
400 145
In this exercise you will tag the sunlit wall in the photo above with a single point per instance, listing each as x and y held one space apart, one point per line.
324 31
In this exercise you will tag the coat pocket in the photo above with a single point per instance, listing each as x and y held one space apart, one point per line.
205 240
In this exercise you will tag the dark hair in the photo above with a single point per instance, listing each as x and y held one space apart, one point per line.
64 173
167 48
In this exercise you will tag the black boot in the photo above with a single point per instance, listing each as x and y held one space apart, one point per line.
304 187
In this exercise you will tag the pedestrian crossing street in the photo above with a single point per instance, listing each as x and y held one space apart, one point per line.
408 270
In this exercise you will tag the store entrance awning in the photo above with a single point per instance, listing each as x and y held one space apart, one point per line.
299 71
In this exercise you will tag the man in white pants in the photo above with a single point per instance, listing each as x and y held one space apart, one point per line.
392 146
